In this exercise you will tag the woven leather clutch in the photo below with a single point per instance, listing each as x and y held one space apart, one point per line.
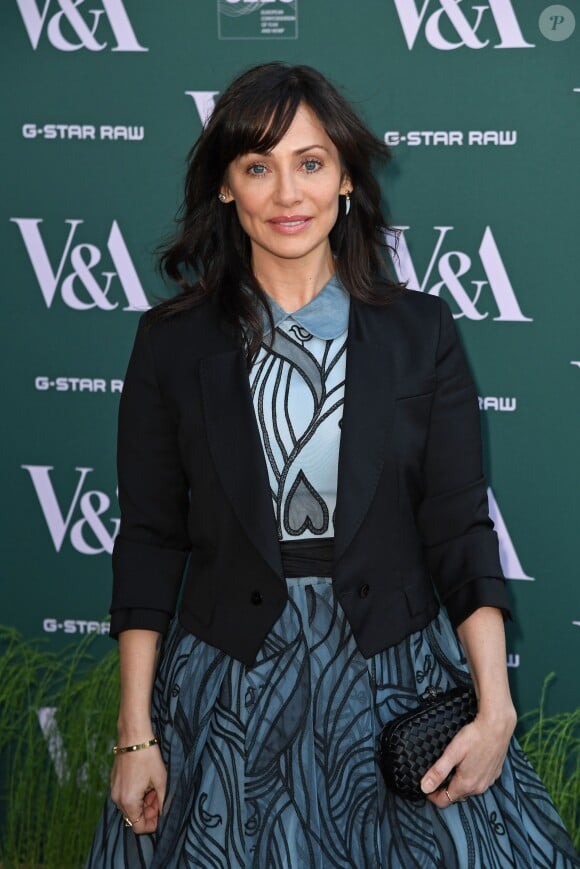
410 744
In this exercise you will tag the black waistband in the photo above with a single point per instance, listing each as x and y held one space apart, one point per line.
313 557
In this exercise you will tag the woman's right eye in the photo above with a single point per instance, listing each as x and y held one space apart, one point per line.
257 169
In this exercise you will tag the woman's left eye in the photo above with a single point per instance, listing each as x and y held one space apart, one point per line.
312 165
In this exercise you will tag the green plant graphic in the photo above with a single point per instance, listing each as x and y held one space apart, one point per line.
53 783
57 724
552 744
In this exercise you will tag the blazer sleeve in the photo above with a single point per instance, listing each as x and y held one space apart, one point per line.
462 549
152 546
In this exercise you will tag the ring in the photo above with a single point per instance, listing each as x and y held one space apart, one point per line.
458 800
129 822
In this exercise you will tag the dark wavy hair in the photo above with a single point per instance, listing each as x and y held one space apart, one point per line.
210 257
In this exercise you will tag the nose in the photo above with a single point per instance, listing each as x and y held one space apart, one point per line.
287 188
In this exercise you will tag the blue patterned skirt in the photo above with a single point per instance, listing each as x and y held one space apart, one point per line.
274 767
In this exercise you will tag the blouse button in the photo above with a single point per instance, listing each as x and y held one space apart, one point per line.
364 590
256 598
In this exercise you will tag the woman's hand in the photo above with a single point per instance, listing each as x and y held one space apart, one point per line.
139 777
478 751
138 783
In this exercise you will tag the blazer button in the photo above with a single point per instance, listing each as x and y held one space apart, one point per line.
256 598
364 590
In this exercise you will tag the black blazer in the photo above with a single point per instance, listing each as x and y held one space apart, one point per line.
196 507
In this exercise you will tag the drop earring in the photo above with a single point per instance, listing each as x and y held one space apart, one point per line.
347 204
222 197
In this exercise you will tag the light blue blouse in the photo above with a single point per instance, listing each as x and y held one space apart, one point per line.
298 393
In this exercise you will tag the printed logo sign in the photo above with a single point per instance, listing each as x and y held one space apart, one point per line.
76 279
204 103
257 19
510 562
452 138
499 403
80 627
93 531
449 273
71 384
69 25
450 24
84 132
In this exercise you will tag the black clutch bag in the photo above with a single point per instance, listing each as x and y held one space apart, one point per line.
410 744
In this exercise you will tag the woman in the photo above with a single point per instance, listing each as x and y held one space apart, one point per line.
299 436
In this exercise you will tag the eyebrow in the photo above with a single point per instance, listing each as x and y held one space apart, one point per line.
297 152
309 148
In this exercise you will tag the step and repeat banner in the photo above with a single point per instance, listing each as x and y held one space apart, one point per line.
480 103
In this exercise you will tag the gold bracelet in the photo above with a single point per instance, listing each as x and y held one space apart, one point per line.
118 750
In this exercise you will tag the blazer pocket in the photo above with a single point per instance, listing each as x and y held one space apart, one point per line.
413 387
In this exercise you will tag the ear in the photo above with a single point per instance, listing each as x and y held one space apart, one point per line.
225 194
345 186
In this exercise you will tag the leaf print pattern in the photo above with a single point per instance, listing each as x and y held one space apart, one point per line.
274 766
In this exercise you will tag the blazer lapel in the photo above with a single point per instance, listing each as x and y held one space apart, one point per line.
367 419
236 448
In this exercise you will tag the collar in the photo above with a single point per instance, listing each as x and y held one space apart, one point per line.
325 316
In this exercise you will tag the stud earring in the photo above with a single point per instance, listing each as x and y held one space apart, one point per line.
347 203
222 197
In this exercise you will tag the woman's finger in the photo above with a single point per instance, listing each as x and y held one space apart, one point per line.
449 760
142 819
160 791
475 756
450 794
138 789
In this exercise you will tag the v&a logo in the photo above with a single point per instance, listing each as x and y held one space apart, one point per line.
90 533
470 24
63 19
75 278
510 561
204 103
472 297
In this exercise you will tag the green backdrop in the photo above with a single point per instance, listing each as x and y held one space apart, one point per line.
103 98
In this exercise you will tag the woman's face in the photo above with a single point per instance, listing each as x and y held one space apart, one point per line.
287 200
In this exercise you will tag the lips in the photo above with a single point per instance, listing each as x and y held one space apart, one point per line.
290 224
